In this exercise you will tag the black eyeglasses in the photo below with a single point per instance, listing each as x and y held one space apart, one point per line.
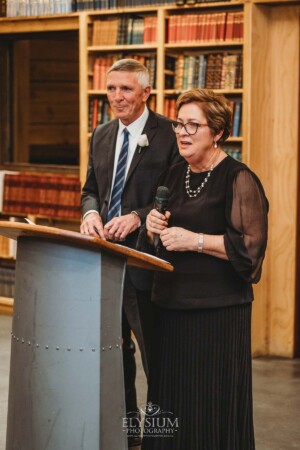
190 127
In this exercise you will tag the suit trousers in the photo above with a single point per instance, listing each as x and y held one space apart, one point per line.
137 315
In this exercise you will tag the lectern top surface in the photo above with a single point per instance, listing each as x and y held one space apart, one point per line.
15 230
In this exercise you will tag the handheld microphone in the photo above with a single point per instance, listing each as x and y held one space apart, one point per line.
160 204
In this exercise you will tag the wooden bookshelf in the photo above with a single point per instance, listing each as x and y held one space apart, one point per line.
274 141
161 48
41 24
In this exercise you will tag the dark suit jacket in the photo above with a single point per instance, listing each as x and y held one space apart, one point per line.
141 182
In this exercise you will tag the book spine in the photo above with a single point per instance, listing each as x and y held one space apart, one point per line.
229 26
95 104
129 31
96 74
185 73
171 30
237 115
218 71
2 8
7 282
179 72
202 71
239 72
209 78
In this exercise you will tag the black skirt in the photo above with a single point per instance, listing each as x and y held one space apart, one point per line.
200 386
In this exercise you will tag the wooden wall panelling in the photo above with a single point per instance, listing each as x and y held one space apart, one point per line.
246 83
54 98
297 312
83 88
274 157
160 60
5 102
21 107
260 64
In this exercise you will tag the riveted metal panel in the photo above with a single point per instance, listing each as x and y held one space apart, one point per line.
55 377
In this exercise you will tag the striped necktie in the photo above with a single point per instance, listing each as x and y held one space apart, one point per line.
115 200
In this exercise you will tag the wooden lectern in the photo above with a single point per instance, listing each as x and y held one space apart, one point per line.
66 389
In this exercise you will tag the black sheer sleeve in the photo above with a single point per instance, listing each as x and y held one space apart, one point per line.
246 235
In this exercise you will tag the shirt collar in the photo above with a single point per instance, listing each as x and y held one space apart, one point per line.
136 127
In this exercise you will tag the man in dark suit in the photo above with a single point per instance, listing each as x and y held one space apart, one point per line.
127 156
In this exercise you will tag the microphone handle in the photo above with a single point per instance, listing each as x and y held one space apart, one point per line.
161 208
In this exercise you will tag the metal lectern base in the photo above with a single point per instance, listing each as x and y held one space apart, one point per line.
66 377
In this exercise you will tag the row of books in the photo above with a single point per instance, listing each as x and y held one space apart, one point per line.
51 195
101 66
170 108
236 106
125 30
100 111
223 26
7 282
111 4
211 71
12 8
15 8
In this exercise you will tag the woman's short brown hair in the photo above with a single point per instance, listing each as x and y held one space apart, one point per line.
214 106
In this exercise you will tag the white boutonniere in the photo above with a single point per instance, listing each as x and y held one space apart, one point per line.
143 142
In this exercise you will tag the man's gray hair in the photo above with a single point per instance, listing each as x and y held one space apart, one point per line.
132 65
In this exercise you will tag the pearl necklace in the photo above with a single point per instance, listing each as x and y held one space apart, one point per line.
194 192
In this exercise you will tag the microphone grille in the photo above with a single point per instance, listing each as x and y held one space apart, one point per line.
162 192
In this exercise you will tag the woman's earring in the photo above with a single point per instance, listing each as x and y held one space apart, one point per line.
215 144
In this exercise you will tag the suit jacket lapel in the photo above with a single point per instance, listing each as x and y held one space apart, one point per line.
110 142
150 130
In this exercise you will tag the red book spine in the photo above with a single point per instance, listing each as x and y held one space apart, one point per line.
229 27
193 27
172 109
154 30
43 183
147 30
222 26
31 186
95 113
96 74
9 193
52 195
187 29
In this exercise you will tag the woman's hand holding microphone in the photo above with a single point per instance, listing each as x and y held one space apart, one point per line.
156 223
174 238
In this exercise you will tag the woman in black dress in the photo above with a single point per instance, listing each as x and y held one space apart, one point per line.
215 235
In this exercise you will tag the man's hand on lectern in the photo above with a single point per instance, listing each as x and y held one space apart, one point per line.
92 225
